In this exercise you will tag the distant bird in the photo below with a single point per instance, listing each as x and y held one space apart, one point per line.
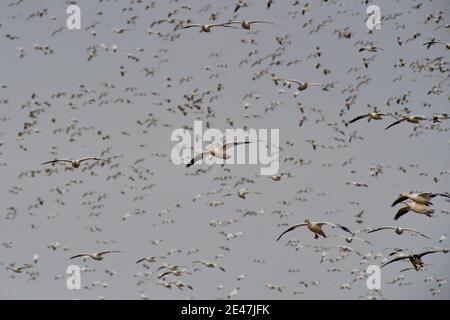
18 269
219 152
357 184
98 256
120 30
415 259
409 118
369 49
398 230
209 264
122 71
370 115
75 163
242 193
246 24
206 27
302 85
316 228
239 4
433 41
422 198
175 272
440 116
147 259
415 207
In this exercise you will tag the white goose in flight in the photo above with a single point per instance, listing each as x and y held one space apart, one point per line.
398 230
98 256
409 118
242 193
209 264
370 115
434 41
422 198
247 23
219 152
440 116
19 269
150 259
415 207
302 85
74 162
316 228
415 259
206 27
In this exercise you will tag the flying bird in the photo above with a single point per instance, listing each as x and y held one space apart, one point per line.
409 118
209 264
206 27
370 115
422 198
219 152
439 117
415 259
147 259
247 23
98 256
302 85
433 41
75 163
18 269
242 193
316 228
415 207
398 230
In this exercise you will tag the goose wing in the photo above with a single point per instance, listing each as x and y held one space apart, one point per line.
399 199
336 226
432 251
401 212
231 144
358 118
197 157
259 21
108 251
394 123
290 229
293 80
81 255
395 259
415 231
57 160
381 228
90 158
191 26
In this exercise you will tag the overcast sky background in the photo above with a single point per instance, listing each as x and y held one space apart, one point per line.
167 209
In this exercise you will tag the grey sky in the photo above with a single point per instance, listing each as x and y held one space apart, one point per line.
66 219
